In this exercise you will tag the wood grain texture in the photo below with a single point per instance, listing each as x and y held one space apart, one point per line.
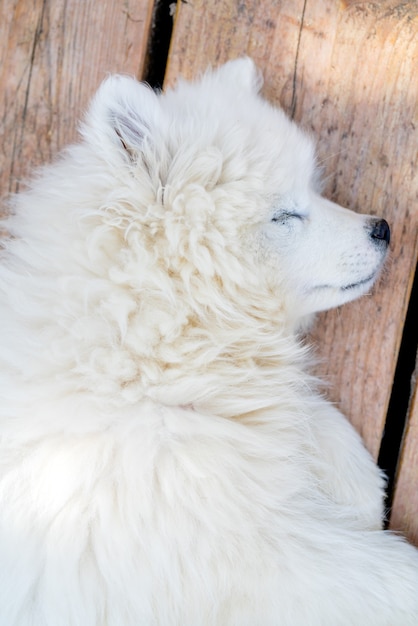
405 502
53 55
347 72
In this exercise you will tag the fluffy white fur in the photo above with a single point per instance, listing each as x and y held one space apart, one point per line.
165 457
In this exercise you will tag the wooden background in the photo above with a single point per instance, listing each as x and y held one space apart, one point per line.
346 70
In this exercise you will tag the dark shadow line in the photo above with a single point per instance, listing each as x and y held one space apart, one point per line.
391 444
159 44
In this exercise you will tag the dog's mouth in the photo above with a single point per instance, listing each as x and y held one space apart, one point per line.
359 283
351 286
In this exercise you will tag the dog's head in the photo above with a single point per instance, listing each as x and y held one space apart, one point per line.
219 188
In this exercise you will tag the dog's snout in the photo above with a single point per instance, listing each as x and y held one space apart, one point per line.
380 231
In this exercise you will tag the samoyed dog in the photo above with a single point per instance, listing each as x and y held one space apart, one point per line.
166 459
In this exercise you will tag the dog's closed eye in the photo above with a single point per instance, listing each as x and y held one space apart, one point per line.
285 216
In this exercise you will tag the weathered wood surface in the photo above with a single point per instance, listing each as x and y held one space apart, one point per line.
347 71
53 55
405 501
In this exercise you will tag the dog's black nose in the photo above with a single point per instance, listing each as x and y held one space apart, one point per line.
380 231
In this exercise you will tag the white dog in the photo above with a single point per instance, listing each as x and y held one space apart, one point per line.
165 458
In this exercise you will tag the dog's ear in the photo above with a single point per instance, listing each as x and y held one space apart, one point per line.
242 73
124 111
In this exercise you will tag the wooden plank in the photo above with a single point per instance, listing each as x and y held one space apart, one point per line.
405 502
213 32
53 55
347 71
